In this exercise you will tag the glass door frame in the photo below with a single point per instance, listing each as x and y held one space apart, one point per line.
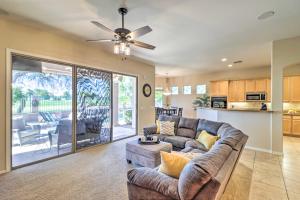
136 106
9 138
8 99
75 102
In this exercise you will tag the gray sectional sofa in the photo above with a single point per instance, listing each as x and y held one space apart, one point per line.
204 177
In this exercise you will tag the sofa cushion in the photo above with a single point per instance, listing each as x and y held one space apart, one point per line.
177 141
188 123
195 145
209 126
191 180
171 119
154 180
172 163
229 135
208 140
201 169
166 127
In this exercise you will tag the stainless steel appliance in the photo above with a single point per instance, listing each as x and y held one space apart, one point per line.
219 102
256 96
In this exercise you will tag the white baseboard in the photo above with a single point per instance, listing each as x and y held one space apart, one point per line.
264 150
258 149
3 172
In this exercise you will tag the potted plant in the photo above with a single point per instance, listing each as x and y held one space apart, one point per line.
202 101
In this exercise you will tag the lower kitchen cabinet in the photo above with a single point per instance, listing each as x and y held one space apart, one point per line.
291 125
296 126
287 124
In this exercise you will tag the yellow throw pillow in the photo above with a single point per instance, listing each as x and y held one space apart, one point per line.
172 164
207 139
158 126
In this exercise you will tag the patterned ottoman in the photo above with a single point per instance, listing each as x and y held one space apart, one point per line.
146 155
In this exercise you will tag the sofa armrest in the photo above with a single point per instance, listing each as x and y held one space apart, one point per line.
150 130
151 179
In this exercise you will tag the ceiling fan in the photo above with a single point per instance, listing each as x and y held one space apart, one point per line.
123 37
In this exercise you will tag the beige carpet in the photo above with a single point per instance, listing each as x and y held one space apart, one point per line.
96 173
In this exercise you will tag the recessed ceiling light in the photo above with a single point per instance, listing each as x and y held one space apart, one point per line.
224 59
230 65
266 15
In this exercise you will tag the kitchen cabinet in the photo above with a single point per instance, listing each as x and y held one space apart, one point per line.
296 126
294 82
287 124
286 89
261 85
218 88
250 86
213 88
258 85
236 91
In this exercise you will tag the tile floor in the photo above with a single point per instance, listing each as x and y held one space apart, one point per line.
263 176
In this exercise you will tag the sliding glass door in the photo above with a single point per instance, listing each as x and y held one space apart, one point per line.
41 110
44 107
124 106
93 107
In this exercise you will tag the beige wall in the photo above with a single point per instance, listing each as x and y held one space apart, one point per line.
185 101
285 53
36 39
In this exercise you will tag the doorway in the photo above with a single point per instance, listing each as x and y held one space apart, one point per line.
124 106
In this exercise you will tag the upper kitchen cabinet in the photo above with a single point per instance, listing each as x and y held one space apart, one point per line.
294 82
259 85
250 86
237 91
218 88
286 89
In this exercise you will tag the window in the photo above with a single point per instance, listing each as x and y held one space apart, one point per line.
174 90
187 89
201 89
158 97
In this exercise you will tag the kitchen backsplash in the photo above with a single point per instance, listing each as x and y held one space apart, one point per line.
246 105
291 106
257 105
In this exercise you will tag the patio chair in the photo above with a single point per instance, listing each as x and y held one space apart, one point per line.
24 133
49 117
64 131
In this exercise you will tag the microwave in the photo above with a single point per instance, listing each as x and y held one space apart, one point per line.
257 96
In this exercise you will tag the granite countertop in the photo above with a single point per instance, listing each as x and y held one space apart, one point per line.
240 109
291 114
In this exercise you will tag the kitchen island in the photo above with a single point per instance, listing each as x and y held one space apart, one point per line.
253 122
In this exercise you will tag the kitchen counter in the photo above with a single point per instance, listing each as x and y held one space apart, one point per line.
253 122
239 109
291 114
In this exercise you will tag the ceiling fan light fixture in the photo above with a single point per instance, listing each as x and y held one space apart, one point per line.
122 46
127 50
117 48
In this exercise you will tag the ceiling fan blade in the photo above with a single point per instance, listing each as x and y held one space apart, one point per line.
139 32
142 44
100 40
102 27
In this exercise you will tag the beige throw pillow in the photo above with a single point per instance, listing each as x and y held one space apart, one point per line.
167 128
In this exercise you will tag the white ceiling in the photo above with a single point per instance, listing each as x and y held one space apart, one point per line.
191 36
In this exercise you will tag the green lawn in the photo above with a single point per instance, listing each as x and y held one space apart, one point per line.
46 106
